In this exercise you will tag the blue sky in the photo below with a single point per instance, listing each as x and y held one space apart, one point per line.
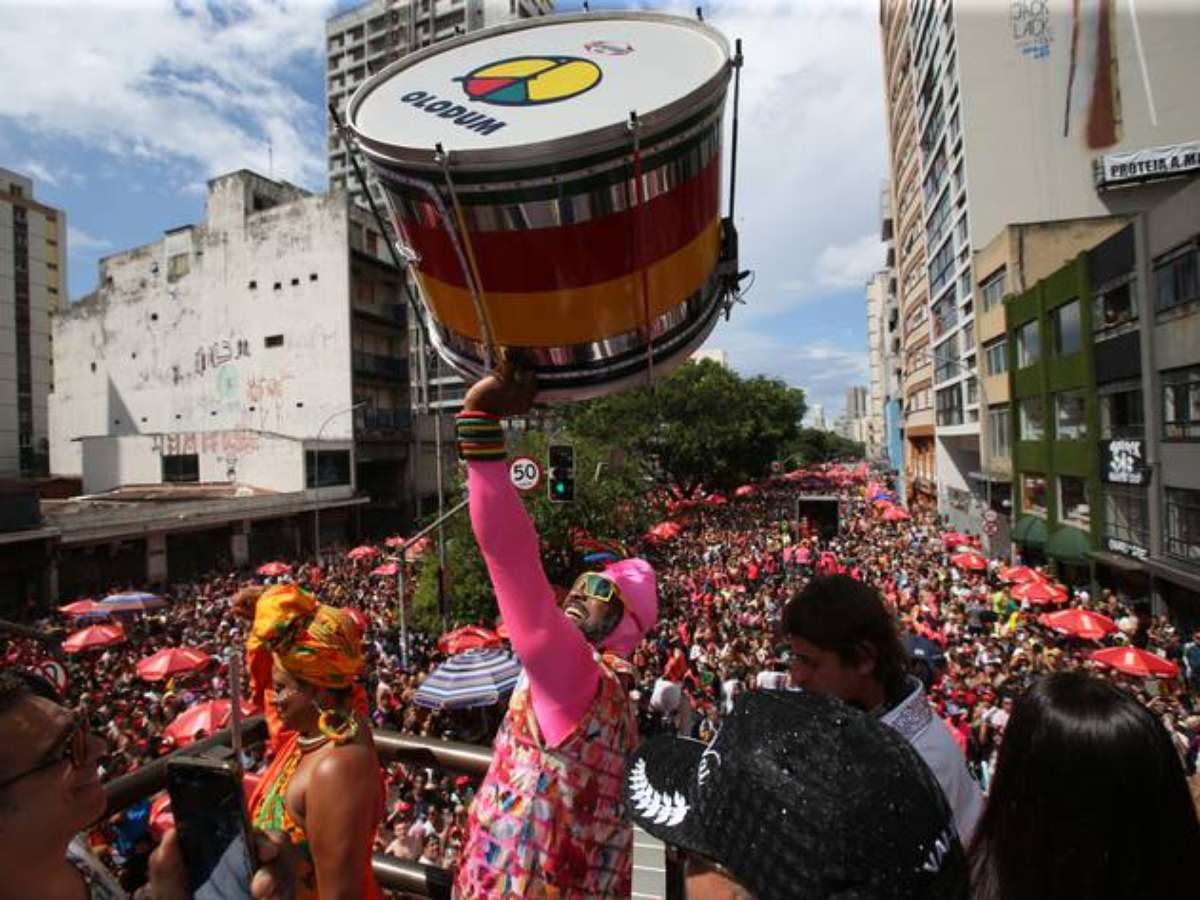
151 98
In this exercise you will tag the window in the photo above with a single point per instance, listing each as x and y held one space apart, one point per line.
950 406
945 359
941 267
1176 280
1183 524
332 465
1070 416
1127 514
968 337
273 340
181 469
1121 413
972 391
992 288
1181 404
1068 336
945 315
1115 308
178 266
1073 502
999 425
1031 418
1033 495
996 354
1028 344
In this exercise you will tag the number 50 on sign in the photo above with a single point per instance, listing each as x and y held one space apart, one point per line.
524 473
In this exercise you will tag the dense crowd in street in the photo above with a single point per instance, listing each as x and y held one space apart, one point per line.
723 580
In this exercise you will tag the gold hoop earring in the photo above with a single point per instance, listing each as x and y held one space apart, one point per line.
337 726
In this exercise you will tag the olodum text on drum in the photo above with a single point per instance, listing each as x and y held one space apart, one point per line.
447 109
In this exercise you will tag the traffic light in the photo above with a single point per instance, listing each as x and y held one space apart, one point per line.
561 473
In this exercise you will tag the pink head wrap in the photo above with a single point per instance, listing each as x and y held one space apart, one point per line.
639 589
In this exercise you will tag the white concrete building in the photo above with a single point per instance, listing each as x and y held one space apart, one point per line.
1014 105
815 417
233 350
33 282
720 357
877 354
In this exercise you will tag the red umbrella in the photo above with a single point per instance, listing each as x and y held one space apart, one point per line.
1021 574
162 819
895 514
363 552
972 560
387 568
884 503
172 661
83 608
393 542
1079 623
418 549
470 637
1040 592
746 490
1133 661
208 717
716 500
94 638
274 569
664 531
954 538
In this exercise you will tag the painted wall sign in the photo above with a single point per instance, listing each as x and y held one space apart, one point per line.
1116 545
1123 462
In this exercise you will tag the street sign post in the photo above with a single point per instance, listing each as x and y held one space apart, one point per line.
991 529
524 473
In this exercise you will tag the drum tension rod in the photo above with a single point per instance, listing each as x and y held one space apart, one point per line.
638 233
402 265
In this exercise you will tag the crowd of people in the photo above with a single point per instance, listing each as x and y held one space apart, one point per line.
723 582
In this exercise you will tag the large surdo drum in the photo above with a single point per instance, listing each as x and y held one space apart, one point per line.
558 184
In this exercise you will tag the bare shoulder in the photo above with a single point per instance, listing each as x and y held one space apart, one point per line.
341 766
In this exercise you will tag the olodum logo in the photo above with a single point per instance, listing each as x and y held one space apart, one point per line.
531 80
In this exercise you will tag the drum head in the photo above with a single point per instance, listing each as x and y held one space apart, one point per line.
536 90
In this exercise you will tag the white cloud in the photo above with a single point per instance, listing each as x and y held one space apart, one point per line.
79 240
200 86
852 264
38 172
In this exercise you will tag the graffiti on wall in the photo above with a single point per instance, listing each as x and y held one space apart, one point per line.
1030 21
208 443
218 353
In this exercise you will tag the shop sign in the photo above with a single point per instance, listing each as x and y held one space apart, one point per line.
1123 462
1115 169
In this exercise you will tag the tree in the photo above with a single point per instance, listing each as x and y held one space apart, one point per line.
702 426
610 502
812 445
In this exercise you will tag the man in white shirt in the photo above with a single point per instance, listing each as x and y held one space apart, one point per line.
845 643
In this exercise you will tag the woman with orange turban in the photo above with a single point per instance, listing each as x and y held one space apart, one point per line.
324 788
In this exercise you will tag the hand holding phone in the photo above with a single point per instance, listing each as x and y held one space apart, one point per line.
213 830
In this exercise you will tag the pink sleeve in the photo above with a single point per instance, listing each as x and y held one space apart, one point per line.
563 675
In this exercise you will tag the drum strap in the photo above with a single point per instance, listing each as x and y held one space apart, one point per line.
478 297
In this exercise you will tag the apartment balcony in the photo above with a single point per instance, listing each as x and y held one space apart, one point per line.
386 419
387 367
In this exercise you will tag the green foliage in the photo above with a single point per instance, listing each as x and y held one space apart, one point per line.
612 504
704 426
812 445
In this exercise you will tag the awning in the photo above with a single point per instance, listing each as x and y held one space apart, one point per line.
1070 545
1030 530
1118 561
994 477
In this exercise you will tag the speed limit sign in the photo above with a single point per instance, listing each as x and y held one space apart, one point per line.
990 515
991 529
524 473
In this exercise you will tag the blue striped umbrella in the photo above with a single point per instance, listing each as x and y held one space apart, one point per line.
132 601
475 678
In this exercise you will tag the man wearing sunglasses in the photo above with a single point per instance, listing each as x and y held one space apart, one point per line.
50 791
550 817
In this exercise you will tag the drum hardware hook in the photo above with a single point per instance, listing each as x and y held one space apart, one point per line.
700 13
491 357
738 59
400 260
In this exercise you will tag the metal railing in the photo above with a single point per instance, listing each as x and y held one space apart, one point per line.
391 873
383 366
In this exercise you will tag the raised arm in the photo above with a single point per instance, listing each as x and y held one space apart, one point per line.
559 662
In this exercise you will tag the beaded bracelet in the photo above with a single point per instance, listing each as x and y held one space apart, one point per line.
480 435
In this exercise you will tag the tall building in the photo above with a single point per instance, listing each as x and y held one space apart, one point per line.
1020 113
362 41
814 417
907 229
877 355
33 284
233 350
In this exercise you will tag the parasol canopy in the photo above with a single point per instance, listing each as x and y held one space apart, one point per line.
471 679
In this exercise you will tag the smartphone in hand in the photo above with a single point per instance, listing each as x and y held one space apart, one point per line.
214 832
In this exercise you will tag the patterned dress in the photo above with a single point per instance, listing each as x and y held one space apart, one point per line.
551 822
